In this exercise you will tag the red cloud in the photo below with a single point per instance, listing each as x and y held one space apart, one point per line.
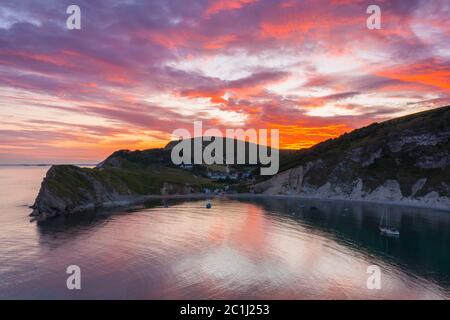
223 5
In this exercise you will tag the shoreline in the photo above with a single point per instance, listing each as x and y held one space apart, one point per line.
139 201
407 203
124 203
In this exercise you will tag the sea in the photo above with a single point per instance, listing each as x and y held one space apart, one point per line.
240 248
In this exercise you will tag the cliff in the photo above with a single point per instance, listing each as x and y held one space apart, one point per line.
404 160
68 189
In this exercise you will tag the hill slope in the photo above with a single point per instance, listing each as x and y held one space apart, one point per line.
405 160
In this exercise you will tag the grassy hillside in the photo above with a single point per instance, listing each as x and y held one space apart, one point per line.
75 183
404 149
374 136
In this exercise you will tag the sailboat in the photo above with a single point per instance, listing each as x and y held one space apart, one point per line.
386 229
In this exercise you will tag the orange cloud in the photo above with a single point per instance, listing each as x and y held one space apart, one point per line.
429 72
299 136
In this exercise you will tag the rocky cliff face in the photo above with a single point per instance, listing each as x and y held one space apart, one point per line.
70 189
405 160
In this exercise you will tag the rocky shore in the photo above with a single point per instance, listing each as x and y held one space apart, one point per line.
69 189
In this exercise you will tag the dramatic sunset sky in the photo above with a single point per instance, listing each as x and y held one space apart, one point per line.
137 70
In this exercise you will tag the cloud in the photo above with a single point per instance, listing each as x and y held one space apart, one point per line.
139 69
217 6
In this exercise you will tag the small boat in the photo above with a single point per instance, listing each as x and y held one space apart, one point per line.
208 205
387 230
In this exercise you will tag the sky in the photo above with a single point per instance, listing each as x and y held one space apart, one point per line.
137 70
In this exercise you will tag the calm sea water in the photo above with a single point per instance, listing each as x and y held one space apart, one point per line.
260 248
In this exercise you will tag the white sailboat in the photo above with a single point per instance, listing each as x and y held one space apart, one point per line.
386 229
